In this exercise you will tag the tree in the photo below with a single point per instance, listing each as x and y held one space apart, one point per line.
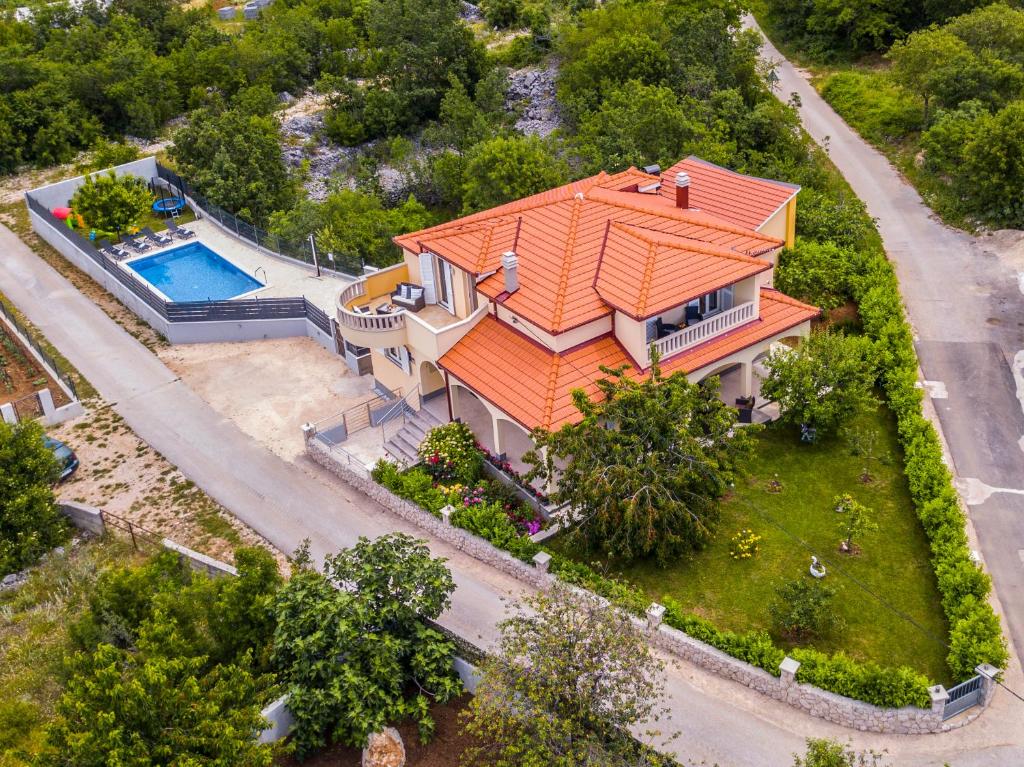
855 520
644 468
234 159
570 677
803 609
508 168
822 752
502 14
29 523
145 708
112 203
356 225
818 272
926 61
822 384
353 646
995 166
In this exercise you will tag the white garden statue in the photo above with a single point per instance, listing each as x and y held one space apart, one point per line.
817 568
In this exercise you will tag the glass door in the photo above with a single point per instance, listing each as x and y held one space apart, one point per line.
445 285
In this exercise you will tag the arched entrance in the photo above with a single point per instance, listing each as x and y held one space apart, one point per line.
431 380
514 442
471 410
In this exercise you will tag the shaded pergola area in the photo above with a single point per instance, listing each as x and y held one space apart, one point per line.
493 429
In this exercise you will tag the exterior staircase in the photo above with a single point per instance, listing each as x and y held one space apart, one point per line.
403 446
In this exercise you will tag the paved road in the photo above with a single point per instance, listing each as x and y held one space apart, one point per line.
967 310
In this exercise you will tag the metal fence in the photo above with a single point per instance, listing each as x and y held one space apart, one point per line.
47 358
302 250
139 535
192 311
963 697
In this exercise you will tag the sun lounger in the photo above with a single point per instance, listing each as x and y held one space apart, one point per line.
177 231
139 246
114 251
156 239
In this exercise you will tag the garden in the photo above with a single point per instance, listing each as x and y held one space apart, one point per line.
20 373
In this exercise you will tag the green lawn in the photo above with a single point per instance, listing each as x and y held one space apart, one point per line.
799 520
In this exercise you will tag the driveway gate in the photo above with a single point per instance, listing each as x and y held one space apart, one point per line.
962 697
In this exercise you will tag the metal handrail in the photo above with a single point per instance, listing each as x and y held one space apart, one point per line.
401 403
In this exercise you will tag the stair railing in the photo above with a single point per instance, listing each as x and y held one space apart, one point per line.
402 406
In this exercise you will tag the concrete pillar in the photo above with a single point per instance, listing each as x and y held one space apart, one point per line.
746 379
308 432
542 560
8 414
46 402
939 697
446 514
787 671
655 614
989 675
498 449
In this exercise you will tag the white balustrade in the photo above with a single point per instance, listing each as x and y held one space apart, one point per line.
702 331
356 321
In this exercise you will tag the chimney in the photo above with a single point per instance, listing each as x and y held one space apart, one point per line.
510 267
653 170
682 190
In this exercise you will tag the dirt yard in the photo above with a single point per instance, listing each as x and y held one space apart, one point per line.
269 388
123 475
20 372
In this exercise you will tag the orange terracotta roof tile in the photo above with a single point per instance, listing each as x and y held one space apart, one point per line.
644 273
534 385
744 200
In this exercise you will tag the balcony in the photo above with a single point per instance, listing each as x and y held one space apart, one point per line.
368 318
699 332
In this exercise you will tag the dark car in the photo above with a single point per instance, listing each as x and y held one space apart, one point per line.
65 457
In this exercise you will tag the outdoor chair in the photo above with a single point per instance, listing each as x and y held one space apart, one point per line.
409 296
114 251
693 315
156 239
177 231
139 246
665 328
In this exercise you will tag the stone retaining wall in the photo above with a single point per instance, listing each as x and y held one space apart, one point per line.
820 703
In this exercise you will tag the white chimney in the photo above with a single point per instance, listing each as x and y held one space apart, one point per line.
682 190
510 267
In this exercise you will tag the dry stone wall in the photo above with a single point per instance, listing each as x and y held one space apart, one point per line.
812 700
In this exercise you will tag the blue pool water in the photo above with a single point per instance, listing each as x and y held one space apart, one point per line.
193 272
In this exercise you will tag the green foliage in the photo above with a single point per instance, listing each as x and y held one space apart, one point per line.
490 522
993 167
803 608
112 203
352 644
356 225
107 154
880 111
855 520
650 485
580 674
503 169
450 454
829 753
869 682
823 383
502 14
754 647
29 523
818 272
234 159
146 708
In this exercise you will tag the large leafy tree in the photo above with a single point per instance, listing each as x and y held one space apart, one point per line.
571 676
112 203
234 159
29 523
507 168
822 384
643 470
353 646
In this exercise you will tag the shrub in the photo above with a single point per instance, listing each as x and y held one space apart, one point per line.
873 105
450 453
868 682
803 609
816 272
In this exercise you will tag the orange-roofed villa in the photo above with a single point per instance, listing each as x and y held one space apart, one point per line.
495 318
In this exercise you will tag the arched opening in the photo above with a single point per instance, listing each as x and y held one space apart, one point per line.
471 410
514 442
431 380
732 385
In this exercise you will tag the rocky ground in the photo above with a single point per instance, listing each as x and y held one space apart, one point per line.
531 91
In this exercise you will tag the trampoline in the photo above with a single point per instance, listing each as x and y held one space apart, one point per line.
169 205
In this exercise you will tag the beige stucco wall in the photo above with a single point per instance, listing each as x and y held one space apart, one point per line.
562 341
633 336
412 263
782 224
391 375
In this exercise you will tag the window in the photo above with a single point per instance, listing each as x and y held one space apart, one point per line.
398 355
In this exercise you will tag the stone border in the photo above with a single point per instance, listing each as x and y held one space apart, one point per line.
812 700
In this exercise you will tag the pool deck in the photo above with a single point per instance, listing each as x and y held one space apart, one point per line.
282 279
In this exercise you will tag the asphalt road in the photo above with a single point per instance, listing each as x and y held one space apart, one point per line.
967 310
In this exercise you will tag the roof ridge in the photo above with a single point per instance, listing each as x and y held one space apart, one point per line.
699 245
563 278
684 215
782 298
549 395
485 247
645 282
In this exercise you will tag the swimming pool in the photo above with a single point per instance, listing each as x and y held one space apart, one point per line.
193 272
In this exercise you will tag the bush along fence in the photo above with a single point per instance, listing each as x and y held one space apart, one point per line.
185 322
349 265
837 688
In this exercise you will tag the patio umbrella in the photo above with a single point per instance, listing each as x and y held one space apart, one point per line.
61 213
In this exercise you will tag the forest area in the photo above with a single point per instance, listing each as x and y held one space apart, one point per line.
938 87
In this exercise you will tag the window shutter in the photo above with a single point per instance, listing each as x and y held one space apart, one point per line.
427 277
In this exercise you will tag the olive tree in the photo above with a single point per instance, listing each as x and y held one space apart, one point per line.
571 676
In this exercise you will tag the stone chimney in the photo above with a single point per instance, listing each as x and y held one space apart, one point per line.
510 267
682 190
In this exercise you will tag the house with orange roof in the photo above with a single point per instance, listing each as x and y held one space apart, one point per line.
495 318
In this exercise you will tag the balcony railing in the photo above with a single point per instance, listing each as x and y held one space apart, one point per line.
702 331
373 322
